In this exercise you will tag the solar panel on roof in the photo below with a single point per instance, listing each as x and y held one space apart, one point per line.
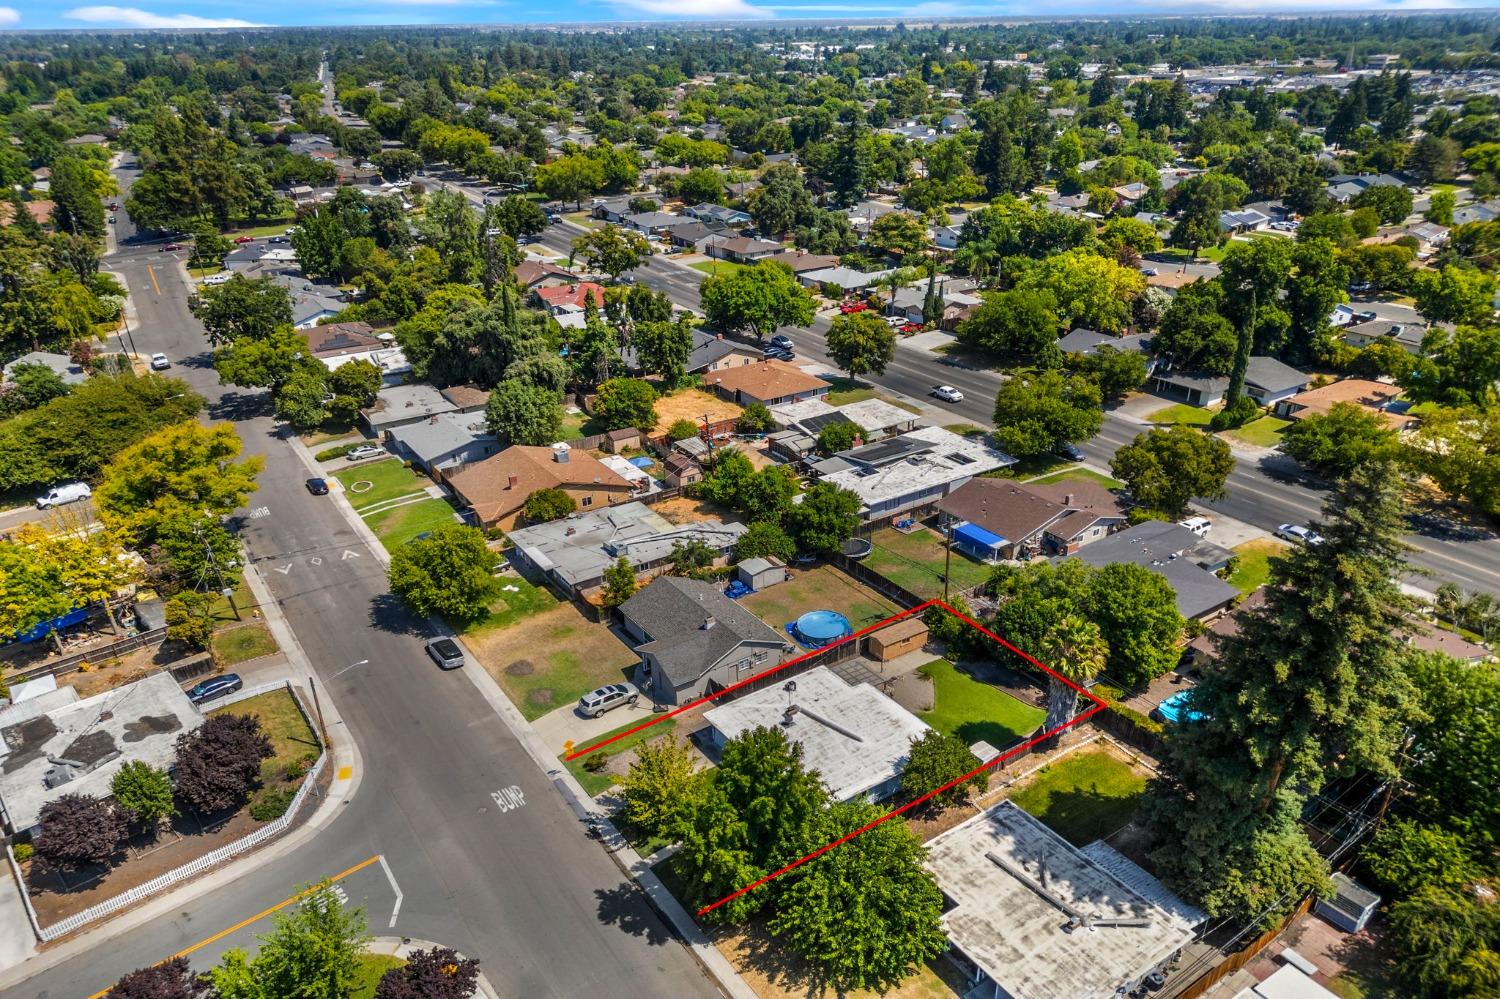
813 424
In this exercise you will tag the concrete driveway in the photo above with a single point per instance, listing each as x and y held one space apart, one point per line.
565 723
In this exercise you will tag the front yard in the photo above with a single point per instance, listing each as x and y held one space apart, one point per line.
1253 568
617 755
545 654
1181 414
1079 475
1085 796
972 710
291 736
712 267
1262 432
844 391
820 588
392 499
916 562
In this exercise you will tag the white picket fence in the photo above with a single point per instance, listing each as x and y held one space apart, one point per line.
204 863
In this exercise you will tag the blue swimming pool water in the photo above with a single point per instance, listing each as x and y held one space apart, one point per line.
820 627
642 462
1176 708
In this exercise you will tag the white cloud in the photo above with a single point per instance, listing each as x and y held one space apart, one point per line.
9 15
706 9
134 17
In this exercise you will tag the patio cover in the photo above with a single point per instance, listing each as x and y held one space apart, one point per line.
977 537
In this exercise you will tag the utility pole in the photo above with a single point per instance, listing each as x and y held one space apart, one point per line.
708 436
947 561
312 685
225 590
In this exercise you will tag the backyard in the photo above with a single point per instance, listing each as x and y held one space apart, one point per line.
1085 796
546 658
821 588
916 562
695 405
1253 566
974 711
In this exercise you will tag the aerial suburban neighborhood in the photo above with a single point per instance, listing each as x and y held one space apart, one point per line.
764 502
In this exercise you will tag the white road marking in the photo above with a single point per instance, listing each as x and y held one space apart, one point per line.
396 909
348 555
259 512
508 798
283 569
315 560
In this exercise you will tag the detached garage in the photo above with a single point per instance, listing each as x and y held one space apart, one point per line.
896 640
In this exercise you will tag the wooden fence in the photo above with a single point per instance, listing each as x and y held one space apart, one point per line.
69 664
1234 962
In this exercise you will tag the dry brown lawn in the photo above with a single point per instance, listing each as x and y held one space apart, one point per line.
685 510
772 973
551 658
693 404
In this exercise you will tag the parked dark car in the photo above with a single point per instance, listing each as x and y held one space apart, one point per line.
782 341
777 354
445 652
318 487
215 686
1070 451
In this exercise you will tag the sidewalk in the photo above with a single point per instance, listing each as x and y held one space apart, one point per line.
347 771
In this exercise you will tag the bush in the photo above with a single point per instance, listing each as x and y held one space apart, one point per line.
596 762
329 453
23 852
681 430
1237 414
756 419
272 803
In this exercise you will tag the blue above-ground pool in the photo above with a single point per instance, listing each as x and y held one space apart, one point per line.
1176 708
821 627
642 462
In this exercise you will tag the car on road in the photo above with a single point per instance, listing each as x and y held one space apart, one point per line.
781 340
160 362
364 451
241 240
947 393
278 239
215 686
1300 534
168 247
774 353
68 492
1070 452
553 218
445 652
112 220
114 206
606 698
318 487
1148 271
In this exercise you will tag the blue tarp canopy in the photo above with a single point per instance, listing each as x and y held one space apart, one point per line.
977 537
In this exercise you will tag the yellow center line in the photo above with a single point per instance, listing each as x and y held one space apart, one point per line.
259 916
151 271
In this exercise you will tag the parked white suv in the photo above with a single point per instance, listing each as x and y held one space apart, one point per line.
68 492
606 698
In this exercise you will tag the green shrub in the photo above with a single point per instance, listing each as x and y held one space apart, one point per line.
329 453
272 803
1139 720
596 762
23 852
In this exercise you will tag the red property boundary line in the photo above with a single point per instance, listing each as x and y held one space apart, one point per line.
1099 705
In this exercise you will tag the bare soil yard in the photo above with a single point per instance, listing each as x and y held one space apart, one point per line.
693 404
551 658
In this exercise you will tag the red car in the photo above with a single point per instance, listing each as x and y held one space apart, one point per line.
244 239
851 307
911 328
170 246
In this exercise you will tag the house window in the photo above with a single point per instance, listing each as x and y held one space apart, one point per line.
588 501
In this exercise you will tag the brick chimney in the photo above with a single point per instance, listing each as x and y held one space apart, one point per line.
511 481
1068 500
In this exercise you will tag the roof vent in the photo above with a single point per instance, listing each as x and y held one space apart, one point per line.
708 622
560 455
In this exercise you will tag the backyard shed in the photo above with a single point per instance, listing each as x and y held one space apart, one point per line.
759 573
626 438
1351 905
896 640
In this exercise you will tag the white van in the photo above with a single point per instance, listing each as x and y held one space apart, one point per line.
68 492
1198 525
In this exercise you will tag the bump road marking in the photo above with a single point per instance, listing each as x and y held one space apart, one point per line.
260 915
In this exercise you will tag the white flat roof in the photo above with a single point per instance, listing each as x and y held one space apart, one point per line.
1017 886
950 459
1287 983
877 414
854 736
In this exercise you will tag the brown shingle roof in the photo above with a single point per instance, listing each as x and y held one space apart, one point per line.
1002 507
1080 494
499 485
335 339
1362 392
528 272
466 396
766 380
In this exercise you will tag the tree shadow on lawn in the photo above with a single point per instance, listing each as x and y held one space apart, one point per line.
626 906
1081 814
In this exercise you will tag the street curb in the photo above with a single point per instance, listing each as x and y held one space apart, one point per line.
403 946
164 906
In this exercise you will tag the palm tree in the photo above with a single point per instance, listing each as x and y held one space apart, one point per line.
1075 649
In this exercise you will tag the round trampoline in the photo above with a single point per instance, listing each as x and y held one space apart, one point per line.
821 627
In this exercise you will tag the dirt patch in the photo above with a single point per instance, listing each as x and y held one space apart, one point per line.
694 404
773 973
542 697
521 667
684 510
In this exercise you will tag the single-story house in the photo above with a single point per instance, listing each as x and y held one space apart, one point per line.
651 223
1487 211
58 743
706 212
945 237
691 235
1407 336
711 352
876 417
1370 396
800 261
995 519
1267 381
1179 556
569 297
1030 915
497 488
693 640
1243 220
767 382
911 471
862 215
615 209
1204 648
1343 187
1093 513
573 554
855 738
61 365
1082 340
308 307
740 249
846 278
1449 643
443 442
399 405
911 302
336 344
534 274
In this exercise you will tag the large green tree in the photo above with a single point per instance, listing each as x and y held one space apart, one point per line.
861 343
447 573
1035 413
1166 468
761 299
524 414
242 307
312 952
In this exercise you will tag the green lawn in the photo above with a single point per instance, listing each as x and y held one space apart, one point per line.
273 229
236 645
388 480
371 967
844 391
915 561
970 710
576 425
821 588
600 782
965 429
1193 416
1083 797
512 605
281 720
1264 432
1079 475
397 525
1254 567
723 266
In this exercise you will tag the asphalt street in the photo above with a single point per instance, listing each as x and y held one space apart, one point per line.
521 888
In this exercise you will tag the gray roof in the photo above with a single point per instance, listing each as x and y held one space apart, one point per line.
577 549
1085 341
673 611
707 348
653 220
1165 549
442 436
844 277
61 364
405 403
1272 376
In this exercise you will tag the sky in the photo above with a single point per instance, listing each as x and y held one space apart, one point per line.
188 14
